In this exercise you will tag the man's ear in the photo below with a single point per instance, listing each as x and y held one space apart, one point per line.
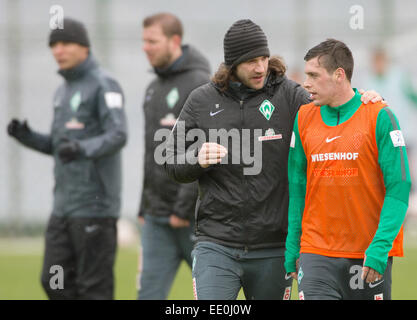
177 40
339 74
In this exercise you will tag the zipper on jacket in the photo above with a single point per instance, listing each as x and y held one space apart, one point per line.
241 112
338 118
245 183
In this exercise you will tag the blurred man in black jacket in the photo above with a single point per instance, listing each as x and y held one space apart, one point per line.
167 207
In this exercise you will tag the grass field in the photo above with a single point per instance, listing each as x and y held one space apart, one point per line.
21 261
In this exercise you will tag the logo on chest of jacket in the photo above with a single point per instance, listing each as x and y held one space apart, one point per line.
75 101
270 135
74 124
168 121
217 110
212 114
149 95
267 108
172 98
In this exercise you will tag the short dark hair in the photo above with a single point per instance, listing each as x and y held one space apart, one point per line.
170 23
333 54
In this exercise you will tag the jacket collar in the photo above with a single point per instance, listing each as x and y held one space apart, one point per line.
242 92
79 70
175 67
339 114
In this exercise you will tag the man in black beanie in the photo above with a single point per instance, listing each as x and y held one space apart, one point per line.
87 134
242 211
72 31
244 41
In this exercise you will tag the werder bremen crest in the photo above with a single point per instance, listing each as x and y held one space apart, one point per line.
267 108
75 101
172 97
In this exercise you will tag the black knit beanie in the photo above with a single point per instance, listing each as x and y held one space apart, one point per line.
73 31
243 41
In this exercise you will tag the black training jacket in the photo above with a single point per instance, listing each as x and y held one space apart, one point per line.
164 99
246 210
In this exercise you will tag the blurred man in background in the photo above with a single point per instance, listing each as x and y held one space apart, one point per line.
397 87
87 134
167 208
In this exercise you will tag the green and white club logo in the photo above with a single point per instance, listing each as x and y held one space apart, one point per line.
267 108
172 97
75 101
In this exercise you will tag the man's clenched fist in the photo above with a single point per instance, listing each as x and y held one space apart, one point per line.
211 153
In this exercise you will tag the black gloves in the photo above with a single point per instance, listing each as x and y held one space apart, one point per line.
68 150
18 129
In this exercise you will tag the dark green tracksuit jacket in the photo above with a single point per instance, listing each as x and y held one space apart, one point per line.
88 107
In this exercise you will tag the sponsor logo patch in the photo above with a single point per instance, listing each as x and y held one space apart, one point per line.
74 124
270 135
338 173
332 139
379 296
287 293
334 156
375 284
216 112
397 138
168 121
113 100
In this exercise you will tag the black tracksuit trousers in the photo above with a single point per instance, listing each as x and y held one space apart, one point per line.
79 258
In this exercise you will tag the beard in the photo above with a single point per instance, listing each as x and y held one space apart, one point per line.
164 60
250 83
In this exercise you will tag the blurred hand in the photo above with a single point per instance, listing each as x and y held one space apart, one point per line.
68 150
369 274
18 129
370 96
177 222
294 275
211 153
